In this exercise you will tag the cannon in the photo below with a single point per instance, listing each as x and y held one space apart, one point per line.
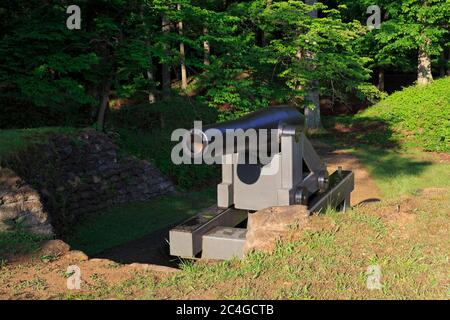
287 172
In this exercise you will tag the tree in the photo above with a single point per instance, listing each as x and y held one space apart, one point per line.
312 109
241 55
182 54
331 60
413 25
43 64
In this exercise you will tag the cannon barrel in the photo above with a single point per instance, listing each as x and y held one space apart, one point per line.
270 118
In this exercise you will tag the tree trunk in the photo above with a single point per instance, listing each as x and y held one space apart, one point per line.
260 35
381 79
424 75
150 76
103 105
312 110
165 68
206 49
448 62
149 72
151 79
182 55
442 64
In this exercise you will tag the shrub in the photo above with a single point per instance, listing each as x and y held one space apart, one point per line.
419 113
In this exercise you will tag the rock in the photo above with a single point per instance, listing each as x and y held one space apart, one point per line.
41 229
54 248
20 205
266 226
76 256
153 267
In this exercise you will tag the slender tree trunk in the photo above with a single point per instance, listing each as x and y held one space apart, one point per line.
448 62
260 35
442 64
206 49
149 72
165 68
424 75
312 114
182 55
104 103
312 110
381 79
151 79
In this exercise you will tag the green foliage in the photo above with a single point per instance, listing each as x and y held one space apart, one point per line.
262 53
417 112
406 26
42 62
145 132
315 49
297 51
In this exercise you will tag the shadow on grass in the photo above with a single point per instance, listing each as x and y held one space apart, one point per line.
138 232
381 150
388 164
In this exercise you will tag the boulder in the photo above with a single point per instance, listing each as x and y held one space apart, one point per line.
54 248
76 256
21 206
266 226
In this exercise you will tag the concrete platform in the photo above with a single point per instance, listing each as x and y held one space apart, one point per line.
223 243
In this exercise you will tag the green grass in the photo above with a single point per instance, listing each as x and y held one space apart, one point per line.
396 170
403 172
15 242
128 222
330 259
421 113
14 140
390 137
414 116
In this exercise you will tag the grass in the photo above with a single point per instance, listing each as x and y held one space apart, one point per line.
417 116
418 113
15 242
127 222
14 140
403 172
390 137
331 259
397 169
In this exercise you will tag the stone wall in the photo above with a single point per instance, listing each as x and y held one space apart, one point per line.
84 174
20 205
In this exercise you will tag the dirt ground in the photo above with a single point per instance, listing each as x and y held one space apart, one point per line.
365 188
45 274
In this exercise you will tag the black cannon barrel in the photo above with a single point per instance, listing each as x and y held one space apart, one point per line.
268 118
